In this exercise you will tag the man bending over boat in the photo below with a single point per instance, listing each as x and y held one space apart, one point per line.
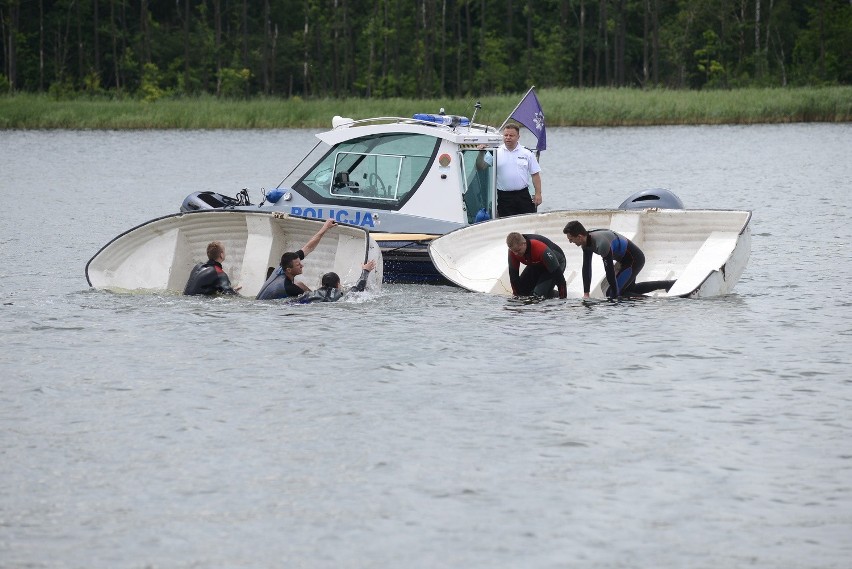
331 289
612 247
545 265
210 278
281 283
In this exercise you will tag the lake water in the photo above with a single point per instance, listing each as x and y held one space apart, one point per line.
419 426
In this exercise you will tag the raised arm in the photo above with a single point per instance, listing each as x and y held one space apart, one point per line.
365 271
314 241
481 164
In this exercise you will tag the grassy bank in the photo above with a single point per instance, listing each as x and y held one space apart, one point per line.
562 107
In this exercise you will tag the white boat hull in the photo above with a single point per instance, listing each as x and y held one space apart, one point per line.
158 256
705 251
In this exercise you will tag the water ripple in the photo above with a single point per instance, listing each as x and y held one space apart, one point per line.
422 425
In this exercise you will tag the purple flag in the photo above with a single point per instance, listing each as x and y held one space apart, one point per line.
529 113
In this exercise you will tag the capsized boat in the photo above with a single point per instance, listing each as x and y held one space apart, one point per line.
704 251
406 180
158 255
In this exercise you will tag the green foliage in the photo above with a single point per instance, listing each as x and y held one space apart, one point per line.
493 75
149 89
713 70
822 50
388 48
92 83
129 69
62 90
552 65
233 82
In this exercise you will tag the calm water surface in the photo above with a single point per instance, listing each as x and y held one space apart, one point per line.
419 426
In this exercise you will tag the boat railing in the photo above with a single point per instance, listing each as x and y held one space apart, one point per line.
346 123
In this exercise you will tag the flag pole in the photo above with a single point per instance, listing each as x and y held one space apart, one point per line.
516 107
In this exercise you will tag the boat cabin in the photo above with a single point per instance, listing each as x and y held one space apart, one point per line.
394 175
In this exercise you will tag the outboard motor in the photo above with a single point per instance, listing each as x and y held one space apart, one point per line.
211 200
660 198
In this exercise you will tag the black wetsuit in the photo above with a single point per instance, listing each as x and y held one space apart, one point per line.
208 278
332 294
279 285
545 268
614 247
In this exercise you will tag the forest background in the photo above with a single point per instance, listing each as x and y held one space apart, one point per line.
417 48
311 50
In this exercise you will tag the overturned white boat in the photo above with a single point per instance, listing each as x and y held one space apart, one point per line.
704 251
158 255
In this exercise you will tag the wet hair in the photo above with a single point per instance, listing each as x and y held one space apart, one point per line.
214 249
514 238
287 259
330 280
575 228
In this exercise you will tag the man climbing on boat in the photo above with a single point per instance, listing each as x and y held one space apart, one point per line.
281 283
545 265
516 167
331 289
613 248
210 278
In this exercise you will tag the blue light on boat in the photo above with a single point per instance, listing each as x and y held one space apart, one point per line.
449 120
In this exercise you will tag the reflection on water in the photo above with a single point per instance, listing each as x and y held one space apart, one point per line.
426 426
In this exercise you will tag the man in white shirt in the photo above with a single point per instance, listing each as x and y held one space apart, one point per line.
516 166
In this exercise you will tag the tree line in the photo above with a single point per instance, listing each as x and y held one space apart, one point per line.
416 48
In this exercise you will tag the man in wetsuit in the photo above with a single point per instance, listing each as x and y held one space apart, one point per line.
545 265
332 291
209 278
612 247
281 283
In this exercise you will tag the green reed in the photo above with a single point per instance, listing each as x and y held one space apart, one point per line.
562 107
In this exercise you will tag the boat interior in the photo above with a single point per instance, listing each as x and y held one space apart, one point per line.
159 255
688 246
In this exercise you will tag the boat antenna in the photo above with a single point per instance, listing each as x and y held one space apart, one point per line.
476 107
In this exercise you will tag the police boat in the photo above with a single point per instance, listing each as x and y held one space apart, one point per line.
405 180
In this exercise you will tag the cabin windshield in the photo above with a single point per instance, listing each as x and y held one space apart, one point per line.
383 170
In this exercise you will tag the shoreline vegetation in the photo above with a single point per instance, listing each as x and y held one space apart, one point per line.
562 107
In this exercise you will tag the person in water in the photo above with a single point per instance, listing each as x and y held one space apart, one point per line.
545 265
331 289
613 248
281 283
210 278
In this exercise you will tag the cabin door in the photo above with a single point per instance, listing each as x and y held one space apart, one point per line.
478 187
